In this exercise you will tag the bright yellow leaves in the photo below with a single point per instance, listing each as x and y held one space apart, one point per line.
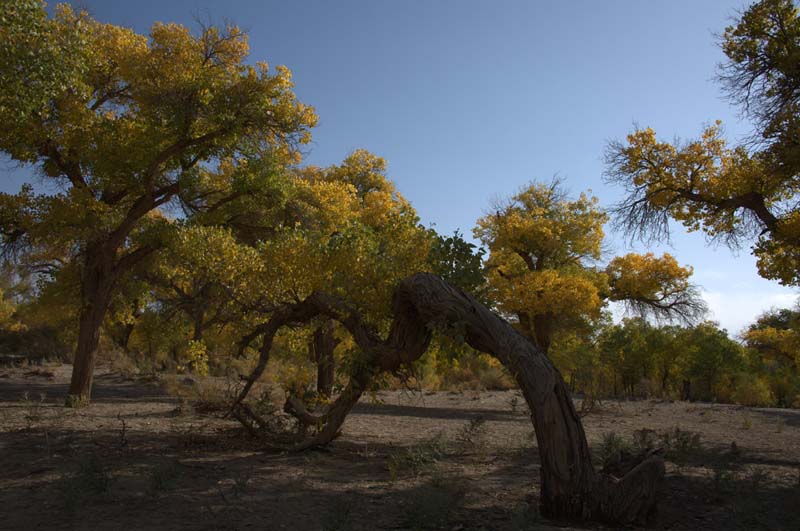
727 193
540 243
541 270
352 235
646 277
199 255
131 124
565 293
137 107
543 226
732 194
775 343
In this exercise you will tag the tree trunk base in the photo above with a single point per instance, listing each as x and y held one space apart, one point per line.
633 498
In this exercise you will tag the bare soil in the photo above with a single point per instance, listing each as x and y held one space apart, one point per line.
137 458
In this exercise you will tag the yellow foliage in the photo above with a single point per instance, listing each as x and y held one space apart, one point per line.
728 193
647 277
540 243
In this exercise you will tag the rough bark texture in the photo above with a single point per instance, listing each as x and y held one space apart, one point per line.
96 289
321 348
571 488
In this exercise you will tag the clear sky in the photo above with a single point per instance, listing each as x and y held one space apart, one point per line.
468 101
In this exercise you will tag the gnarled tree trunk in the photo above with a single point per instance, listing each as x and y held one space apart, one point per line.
571 488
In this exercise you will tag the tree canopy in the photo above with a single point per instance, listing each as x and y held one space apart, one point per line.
734 194
543 268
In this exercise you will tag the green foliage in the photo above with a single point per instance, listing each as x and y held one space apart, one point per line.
611 445
127 125
458 262
680 445
417 459
542 269
40 58
33 409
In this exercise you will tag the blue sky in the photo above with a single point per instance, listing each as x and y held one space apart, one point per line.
468 101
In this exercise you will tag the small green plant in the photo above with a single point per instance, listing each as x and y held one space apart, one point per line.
417 458
644 440
76 401
513 402
747 422
611 446
33 409
680 445
470 436
163 477
723 479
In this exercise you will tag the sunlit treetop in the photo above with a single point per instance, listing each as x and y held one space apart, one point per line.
655 286
746 193
543 266
141 115
349 232
775 336
544 228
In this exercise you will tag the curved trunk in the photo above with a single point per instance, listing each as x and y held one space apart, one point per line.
571 488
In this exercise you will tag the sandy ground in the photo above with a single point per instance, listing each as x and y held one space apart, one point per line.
139 459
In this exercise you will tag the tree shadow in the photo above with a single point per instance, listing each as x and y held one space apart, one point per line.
495 415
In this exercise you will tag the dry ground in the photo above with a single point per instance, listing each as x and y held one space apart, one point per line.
139 459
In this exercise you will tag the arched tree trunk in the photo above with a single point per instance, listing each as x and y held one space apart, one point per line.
571 488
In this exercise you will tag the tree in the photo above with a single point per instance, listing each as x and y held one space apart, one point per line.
343 228
136 129
733 194
626 349
542 269
774 343
710 355
350 233
571 488
458 262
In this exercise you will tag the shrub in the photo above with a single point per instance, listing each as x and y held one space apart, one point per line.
611 446
680 445
752 391
417 458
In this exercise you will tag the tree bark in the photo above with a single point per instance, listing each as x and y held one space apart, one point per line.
96 286
322 345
